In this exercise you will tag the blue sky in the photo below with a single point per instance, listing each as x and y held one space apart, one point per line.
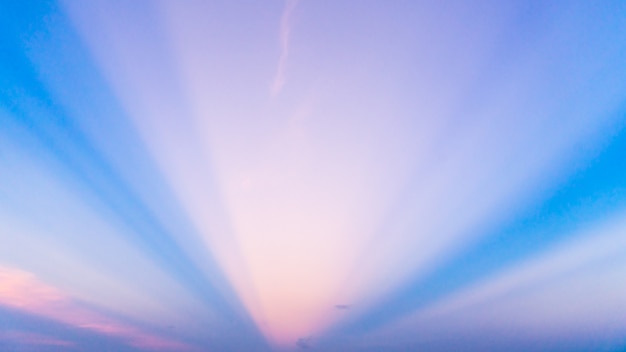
321 175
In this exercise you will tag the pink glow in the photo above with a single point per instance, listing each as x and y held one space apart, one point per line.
23 291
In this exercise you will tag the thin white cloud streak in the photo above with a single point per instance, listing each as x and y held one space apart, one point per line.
286 24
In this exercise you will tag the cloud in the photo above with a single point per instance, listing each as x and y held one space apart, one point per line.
30 338
285 30
24 292
304 342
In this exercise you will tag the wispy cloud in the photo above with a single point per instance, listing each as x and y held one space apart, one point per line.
23 291
29 338
285 30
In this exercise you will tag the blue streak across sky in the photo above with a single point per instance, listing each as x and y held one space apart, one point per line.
206 175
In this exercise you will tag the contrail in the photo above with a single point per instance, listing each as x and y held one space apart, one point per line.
285 29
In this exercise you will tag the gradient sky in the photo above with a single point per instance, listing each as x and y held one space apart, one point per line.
402 175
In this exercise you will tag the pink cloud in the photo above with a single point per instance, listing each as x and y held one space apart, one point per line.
23 291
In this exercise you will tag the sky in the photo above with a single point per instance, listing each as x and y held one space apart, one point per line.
328 175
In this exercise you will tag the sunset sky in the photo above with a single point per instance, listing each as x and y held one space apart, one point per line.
320 175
